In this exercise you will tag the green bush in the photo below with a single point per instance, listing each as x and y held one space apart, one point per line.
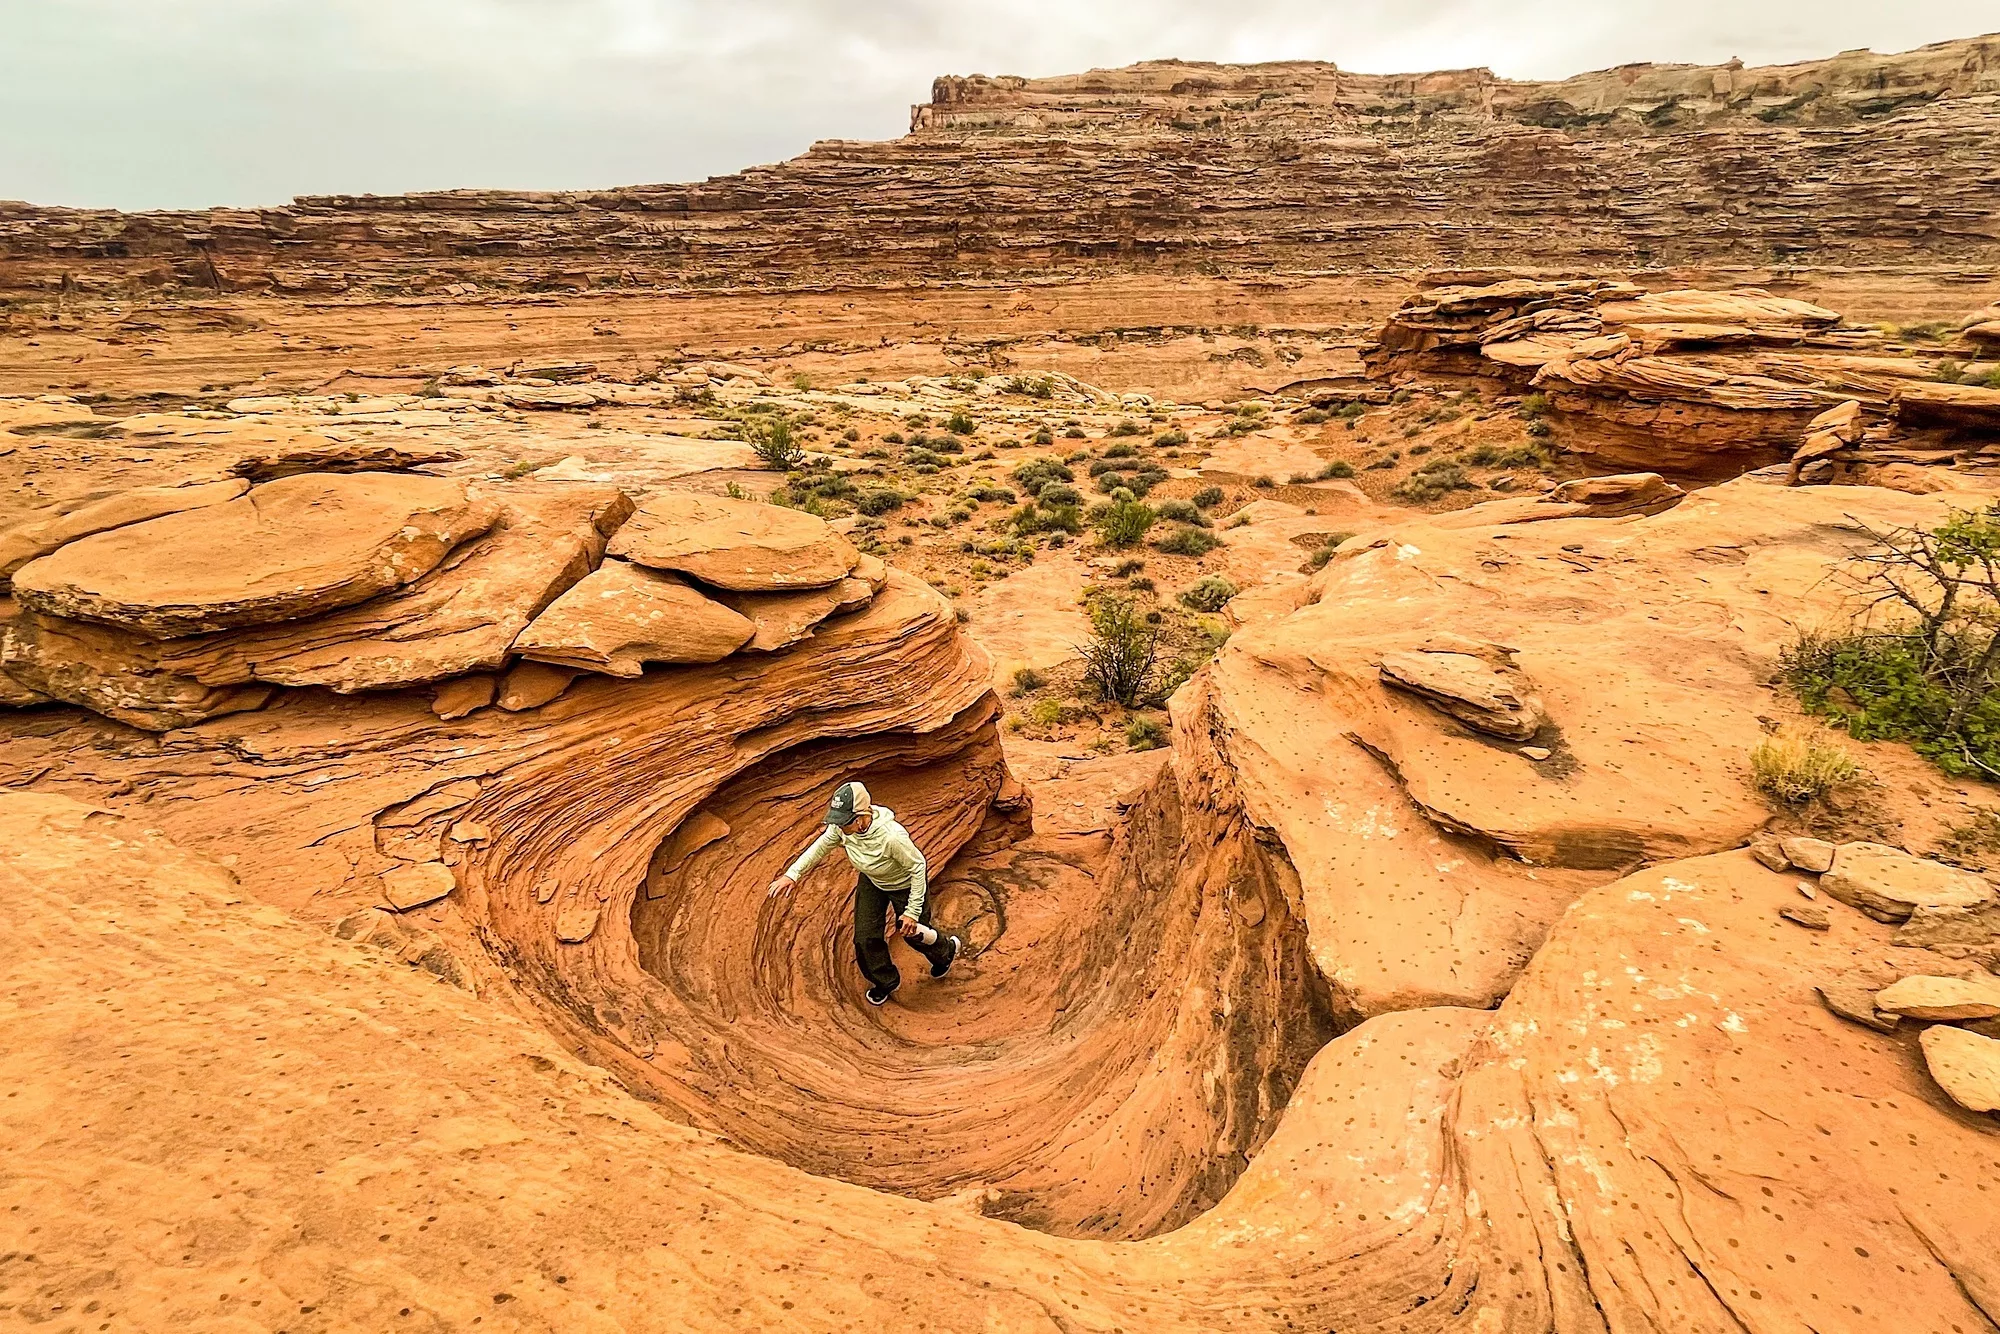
1128 567
1034 386
1126 427
1519 456
1182 511
1043 437
1951 372
1336 469
1311 416
1263 483
1928 681
1324 552
960 424
1208 497
1123 645
1436 478
1124 523
1188 541
1120 450
1032 518
1027 680
987 491
776 444
1145 734
1169 439
1033 475
1208 593
880 500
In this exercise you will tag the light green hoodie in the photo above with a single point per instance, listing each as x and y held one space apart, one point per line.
885 854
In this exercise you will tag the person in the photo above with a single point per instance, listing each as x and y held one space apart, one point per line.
892 877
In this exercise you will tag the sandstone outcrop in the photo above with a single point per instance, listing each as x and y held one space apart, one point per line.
1431 856
1859 159
286 550
1580 1152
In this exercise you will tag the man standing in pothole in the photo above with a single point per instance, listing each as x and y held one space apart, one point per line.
892 877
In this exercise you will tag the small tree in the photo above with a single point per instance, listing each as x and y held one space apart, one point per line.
777 445
1927 677
1119 658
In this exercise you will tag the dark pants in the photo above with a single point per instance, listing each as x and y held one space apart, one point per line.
871 949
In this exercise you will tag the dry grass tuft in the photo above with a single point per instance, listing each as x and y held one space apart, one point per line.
1801 764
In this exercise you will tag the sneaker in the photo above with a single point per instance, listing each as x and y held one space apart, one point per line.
880 995
940 969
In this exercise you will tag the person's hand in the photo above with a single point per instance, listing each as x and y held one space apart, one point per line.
906 927
783 885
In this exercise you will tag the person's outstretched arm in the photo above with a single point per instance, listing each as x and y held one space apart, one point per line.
825 843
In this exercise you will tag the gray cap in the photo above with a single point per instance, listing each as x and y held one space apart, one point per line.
849 800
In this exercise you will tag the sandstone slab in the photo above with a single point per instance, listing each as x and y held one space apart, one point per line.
1889 884
1959 933
529 685
738 545
1808 854
414 886
35 538
1965 1065
288 549
623 616
1941 998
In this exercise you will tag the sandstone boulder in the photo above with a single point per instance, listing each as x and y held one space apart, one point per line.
1478 694
1965 1065
413 886
529 685
739 545
1941 998
288 549
623 616
1808 854
1889 884
1958 933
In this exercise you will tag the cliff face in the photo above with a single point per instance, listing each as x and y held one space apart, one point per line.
1858 160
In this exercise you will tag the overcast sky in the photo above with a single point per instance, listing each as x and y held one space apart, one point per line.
185 103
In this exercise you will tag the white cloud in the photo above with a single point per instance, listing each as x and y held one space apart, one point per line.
156 103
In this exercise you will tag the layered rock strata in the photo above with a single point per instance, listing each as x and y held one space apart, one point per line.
1861 159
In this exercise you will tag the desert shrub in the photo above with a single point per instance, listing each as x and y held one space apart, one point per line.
1992 380
1436 478
1142 583
1540 430
1034 386
1027 680
1145 734
1351 412
1171 438
988 491
1801 764
1033 475
1073 433
1124 522
1048 713
1126 427
880 500
1927 678
1182 511
1336 469
1311 416
1122 450
1208 593
1188 541
1263 483
893 438
1324 552
1060 493
1044 437
1519 456
1099 467
959 424
1535 405
1208 497
1032 518
1119 656
1951 372
944 444
776 444
1128 567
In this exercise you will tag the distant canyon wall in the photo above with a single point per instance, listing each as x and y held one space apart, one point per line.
1860 160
